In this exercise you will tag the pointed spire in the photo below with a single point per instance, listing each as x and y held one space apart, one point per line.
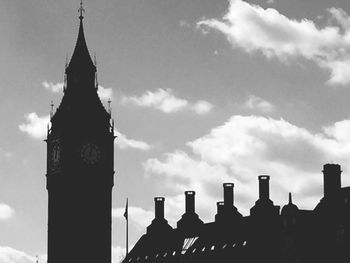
81 59
290 198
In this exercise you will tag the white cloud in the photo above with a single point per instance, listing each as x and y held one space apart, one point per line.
139 216
118 254
184 23
202 107
123 142
6 212
258 104
10 255
165 101
245 147
161 99
35 126
6 153
277 36
54 87
270 2
104 93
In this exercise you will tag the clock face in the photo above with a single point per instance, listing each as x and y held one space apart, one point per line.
90 153
55 154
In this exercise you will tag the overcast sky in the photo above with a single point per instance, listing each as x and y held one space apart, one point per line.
203 92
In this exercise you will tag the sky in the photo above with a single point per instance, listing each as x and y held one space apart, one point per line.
203 92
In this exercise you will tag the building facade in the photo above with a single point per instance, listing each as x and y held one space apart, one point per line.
268 234
80 169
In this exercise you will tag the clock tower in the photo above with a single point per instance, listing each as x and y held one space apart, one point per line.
80 148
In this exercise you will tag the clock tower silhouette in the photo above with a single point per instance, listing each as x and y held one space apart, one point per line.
80 169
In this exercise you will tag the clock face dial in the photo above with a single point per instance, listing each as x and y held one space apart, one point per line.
90 153
55 155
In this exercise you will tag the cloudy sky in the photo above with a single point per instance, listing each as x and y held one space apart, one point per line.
203 92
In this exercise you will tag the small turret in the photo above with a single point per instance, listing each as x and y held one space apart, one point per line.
290 208
289 213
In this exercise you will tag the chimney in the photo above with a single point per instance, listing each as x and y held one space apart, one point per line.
228 194
331 179
220 207
159 207
190 202
264 188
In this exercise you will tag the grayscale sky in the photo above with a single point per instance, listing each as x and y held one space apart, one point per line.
203 91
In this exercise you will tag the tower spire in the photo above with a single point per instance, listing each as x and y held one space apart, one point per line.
81 60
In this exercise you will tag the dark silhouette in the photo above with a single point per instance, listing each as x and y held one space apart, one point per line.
266 235
80 168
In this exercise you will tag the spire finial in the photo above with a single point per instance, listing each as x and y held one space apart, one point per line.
109 106
81 10
290 198
51 111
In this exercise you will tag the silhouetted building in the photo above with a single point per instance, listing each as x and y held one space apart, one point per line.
266 235
80 169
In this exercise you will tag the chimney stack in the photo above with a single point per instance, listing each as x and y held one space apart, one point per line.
159 207
331 179
159 226
228 194
264 187
190 202
220 207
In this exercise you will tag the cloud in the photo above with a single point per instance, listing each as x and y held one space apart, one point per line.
6 153
165 101
35 126
184 23
118 254
202 107
54 87
161 99
278 36
123 142
6 212
258 104
243 148
140 217
11 255
104 93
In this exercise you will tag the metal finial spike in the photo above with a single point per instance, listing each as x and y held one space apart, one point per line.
51 112
290 197
66 65
109 105
81 10
95 59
